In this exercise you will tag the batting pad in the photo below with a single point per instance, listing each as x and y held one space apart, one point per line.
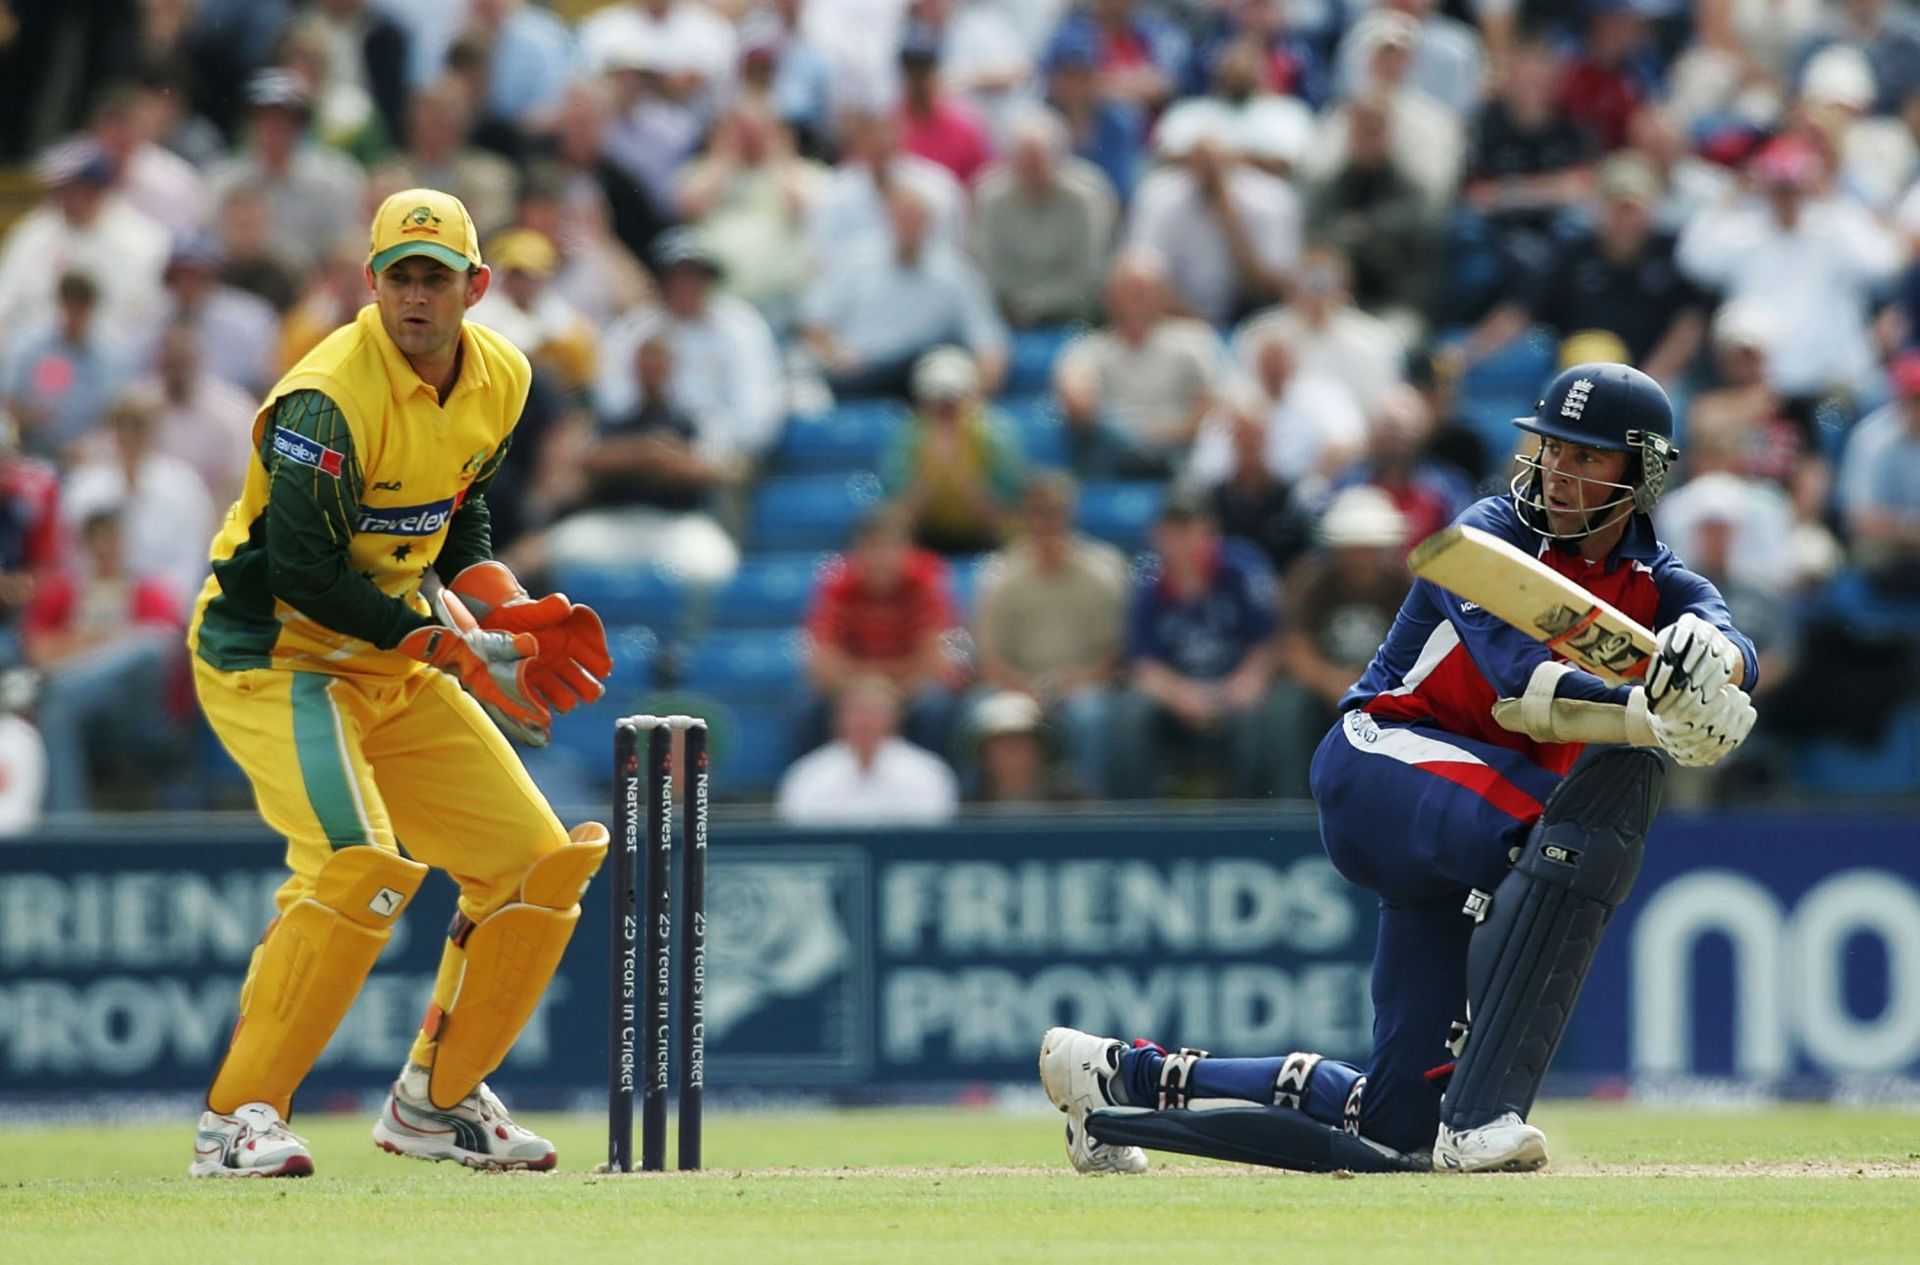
306 972
1276 1137
1536 938
510 956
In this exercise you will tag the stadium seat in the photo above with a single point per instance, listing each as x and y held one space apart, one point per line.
1036 421
799 512
768 591
1031 355
849 437
1831 767
965 582
760 659
626 594
1121 514
752 743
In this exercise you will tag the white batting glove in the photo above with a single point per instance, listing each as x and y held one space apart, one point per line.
1693 662
1709 731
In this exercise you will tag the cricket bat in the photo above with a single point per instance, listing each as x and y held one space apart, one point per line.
1523 591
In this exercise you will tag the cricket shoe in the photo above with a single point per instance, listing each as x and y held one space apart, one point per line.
477 1133
1076 1069
1506 1145
253 1141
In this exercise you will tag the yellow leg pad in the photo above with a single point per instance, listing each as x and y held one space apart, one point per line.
510 957
306 973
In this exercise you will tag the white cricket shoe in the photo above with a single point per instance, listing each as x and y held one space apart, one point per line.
1506 1145
1075 1068
477 1133
251 1142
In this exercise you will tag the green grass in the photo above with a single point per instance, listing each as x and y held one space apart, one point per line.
1789 1185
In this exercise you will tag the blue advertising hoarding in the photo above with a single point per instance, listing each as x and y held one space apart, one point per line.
1780 949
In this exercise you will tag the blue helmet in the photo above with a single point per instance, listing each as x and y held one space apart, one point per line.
1608 406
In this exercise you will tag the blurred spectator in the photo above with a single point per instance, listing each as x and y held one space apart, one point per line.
597 273
868 776
1812 262
172 115
984 57
1289 64
1689 181
856 205
1251 502
728 374
1371 209
691 49
57 379
32 539
1141 56
786 71
1133 395
1314 427
529 55
1269 130
881 304
315 193
1456 440
1447 64
156 182
238 331
163 507
1529 167
1873 155
1042 222
1879 491
1426 135
23 757
1343 597
1050 623
439 154
203 420
1427 494
955 468
883 609
1616 69
1228 231
1202 692
523 305
82 225
1888 34
589 183
651 473
336 290
751 194
935 124
1775 436
103 638
1747 523
1331 338
1111 134
1619 276
250 258
651 128
545 477
365 81
1010 751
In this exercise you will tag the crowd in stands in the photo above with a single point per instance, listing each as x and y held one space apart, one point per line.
996 400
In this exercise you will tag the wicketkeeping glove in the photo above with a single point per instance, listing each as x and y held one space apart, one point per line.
571 664
491 666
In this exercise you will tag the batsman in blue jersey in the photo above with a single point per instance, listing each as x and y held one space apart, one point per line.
1497 801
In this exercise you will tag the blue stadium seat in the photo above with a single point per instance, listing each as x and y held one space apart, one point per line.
1031 355
753 741
1830 767
849 437
626 594
769 590
1121 513
966 582
798 512
1036 421
635 651
760 659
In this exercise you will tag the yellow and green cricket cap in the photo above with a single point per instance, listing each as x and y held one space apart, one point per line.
423 222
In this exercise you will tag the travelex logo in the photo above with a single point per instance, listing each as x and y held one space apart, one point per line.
404 520
297 448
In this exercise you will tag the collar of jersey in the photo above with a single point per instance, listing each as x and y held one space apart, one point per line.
1637 544
403 382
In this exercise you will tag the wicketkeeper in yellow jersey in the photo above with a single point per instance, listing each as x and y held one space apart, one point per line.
365 700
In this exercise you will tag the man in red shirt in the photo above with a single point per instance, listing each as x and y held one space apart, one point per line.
935 124
883 608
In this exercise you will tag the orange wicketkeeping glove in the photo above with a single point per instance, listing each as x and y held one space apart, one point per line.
494 667
572 663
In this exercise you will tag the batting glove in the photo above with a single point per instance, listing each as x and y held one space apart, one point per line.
1693 661
1707 734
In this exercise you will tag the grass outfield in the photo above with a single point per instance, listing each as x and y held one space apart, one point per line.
1788 1185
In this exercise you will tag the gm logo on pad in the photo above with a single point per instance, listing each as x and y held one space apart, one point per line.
404 520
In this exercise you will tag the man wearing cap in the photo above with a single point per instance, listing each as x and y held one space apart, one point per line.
366 701
314 191
534 316
955 468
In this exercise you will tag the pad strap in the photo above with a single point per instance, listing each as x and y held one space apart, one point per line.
1176 1070
1291 1081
